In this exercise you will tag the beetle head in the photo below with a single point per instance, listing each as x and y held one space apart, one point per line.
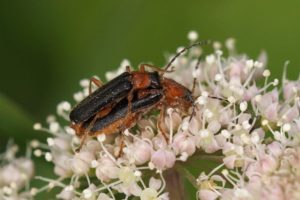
177 95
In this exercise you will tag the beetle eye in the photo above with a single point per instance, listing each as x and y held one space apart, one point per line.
188 96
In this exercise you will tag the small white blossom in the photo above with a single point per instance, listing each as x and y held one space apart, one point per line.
249 129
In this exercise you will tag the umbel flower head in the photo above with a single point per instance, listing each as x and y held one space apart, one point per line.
15 174
251 130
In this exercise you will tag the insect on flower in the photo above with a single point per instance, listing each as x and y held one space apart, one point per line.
117 105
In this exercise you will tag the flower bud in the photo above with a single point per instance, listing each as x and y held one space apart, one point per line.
141 152
182 143
163 159
106 169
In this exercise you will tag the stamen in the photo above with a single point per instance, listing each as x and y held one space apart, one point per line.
163 183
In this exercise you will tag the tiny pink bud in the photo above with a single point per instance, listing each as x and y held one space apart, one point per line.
182 143
207 195
163 159
141 152
106 169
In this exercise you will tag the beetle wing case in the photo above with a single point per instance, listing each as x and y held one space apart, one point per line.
120 111
113 91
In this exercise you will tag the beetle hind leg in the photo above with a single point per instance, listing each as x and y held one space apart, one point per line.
82 142
159 123
121 146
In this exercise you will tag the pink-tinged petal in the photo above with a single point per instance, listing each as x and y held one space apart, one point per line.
268 99
183 144
62 166
106 169
207 195
291 114
229 161
275 149
85 156
274 95
159 142
225 117
212 147
163 159
250 93
66 194
263 58
92 146
176 121
140 151
244 117
235 70
155 183
221 140
271 112
62 143
170 159
273 192
214 126
289 89
104 196
79 167
194 126
135 189
268 163
164 196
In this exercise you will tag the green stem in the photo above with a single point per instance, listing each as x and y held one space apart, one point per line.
187 174
174 184
218 158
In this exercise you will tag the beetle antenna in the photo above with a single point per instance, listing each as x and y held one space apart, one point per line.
195 78
184 50
193 112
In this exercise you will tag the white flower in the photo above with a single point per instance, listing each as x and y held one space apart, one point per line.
248 129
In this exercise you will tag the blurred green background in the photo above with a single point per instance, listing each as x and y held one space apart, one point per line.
47 46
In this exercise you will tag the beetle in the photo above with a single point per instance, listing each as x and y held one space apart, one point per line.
119 119
107 102
109 94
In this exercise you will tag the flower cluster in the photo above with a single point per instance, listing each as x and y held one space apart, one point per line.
15 174
253 130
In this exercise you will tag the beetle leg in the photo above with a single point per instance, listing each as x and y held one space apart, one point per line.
142 67
96 82
129 98
195 78
82 141
122 145
160 121
193 112
90 126
143 93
